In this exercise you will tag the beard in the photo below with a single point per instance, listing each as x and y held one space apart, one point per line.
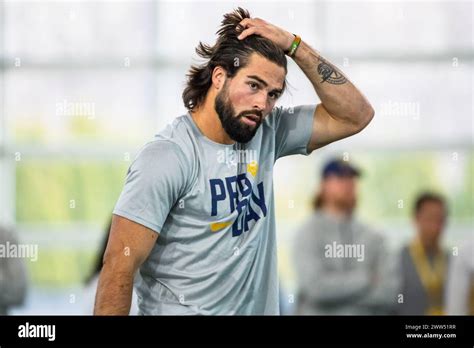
232 123
346 204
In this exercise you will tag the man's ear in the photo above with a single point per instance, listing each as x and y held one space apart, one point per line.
219 76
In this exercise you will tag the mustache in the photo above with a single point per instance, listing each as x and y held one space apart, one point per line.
252 112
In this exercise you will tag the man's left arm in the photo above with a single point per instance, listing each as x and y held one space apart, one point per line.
344 110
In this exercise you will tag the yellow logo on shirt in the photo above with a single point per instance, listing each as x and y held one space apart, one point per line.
252 168
217 226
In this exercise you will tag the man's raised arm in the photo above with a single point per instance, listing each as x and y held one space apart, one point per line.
343 110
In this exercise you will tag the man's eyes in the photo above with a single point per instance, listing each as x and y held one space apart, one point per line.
255 86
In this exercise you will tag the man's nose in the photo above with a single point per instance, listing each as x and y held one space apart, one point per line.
260 101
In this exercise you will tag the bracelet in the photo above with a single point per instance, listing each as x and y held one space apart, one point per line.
294 46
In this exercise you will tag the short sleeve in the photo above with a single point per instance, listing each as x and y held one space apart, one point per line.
293 129
155 182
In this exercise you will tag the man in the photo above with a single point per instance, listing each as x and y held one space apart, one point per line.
196 214
342 266
423 263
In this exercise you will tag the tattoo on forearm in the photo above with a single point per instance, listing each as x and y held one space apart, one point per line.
329 73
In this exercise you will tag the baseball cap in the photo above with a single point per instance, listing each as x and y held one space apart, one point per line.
339 167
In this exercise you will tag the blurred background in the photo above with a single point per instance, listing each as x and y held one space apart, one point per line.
84 84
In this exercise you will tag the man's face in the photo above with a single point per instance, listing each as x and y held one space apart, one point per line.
247 98
341 190
430 221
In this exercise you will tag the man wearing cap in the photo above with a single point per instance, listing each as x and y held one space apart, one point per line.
342 266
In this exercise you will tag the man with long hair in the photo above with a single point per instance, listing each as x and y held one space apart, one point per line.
196 215
342 265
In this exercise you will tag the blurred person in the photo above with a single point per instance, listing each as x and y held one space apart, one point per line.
91 282
285 301
342 265
460 284
197 210
423 263
13 277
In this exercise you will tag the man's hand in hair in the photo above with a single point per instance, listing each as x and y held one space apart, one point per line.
279 36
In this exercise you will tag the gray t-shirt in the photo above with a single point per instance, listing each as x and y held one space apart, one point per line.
343 268
212 205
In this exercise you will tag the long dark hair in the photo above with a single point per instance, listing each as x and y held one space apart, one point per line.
230 53
318 201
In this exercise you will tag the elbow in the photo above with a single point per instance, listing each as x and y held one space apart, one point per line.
119 261
364 117
370 113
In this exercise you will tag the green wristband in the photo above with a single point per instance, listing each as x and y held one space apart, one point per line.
294 46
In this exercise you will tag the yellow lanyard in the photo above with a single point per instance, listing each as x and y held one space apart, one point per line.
431 277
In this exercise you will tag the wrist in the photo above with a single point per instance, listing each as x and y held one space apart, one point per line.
289 41
295 43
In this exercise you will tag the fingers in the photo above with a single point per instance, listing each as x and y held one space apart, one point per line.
244 22
251 21
248 32
250 26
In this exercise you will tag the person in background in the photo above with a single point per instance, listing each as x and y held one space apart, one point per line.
13 278
423 263
342 266
460 284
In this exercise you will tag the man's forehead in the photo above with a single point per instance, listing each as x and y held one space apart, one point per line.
266 70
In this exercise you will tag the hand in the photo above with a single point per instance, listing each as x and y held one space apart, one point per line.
280 37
